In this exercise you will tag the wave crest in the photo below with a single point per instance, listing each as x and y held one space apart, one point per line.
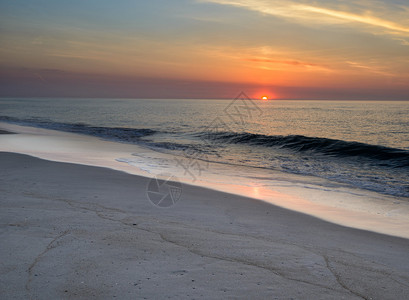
332 147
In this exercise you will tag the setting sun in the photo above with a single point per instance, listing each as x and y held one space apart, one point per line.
264 98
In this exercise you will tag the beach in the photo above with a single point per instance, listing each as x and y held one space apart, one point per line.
78 222
74 231
205 149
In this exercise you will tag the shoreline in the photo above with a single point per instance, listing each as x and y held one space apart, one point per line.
92 232
353 208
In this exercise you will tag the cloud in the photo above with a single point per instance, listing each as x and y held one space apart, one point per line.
369 20
303 12
403 42
286 62
375 70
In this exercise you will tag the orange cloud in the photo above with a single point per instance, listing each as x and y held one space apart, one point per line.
286 62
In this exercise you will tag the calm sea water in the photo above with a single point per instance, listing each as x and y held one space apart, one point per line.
358 143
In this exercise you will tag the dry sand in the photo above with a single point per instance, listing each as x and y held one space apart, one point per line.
73 231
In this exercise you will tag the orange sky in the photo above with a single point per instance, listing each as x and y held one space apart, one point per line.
205 49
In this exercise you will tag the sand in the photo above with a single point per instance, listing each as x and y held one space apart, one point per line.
74 231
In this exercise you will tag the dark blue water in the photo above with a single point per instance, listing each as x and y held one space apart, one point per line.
362 144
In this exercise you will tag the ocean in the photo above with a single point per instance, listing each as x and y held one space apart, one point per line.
361 145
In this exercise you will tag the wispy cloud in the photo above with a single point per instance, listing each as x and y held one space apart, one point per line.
369 20
403 41
372 69
285 62
314 13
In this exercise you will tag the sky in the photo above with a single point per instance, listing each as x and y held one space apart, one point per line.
332 49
